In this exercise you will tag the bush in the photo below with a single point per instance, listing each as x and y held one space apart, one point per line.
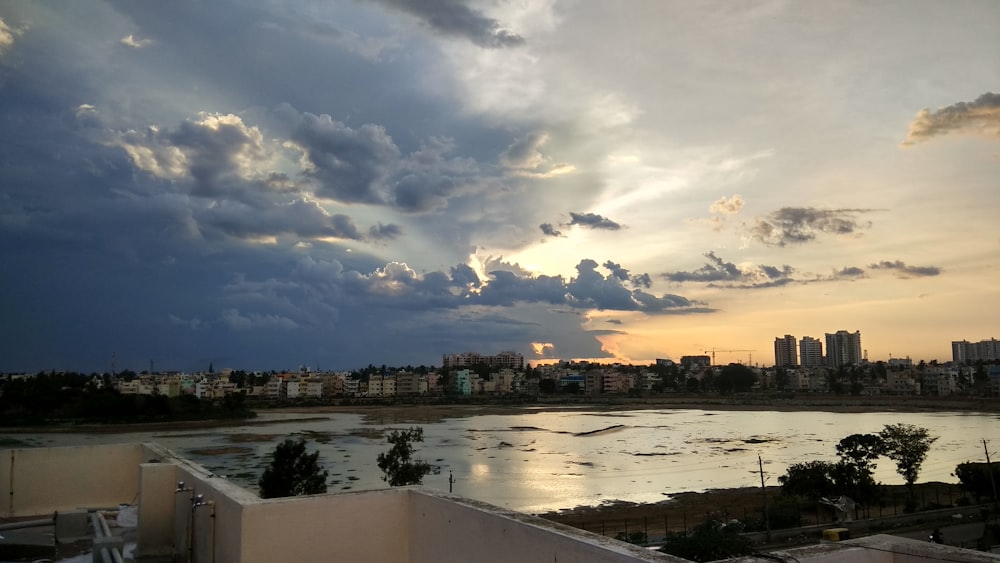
709 541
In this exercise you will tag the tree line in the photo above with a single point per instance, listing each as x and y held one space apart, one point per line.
49 398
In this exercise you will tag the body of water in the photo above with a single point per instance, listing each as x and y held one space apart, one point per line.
535 461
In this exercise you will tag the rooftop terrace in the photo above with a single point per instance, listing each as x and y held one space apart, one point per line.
185 513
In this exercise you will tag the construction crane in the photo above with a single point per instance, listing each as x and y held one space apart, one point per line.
713 351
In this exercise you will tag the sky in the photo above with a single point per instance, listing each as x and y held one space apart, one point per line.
268 184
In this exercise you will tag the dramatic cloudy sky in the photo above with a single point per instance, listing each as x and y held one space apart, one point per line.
275 183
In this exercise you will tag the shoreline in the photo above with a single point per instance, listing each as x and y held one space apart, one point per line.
417 413
684 510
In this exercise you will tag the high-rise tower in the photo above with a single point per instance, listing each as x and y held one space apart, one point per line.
843 348
810 352
784 351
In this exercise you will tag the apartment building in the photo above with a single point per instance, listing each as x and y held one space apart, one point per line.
785 351
843 348
902 383
410 384
506 359
810 352
985 350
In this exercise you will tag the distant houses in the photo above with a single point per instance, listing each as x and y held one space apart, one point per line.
470 374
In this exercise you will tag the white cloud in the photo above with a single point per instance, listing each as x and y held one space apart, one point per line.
131 40
7 35
727 206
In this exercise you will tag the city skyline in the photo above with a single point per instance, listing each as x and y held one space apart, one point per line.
277 183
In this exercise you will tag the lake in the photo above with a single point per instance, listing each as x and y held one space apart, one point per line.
535 461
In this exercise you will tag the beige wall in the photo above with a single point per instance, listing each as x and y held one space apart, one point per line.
366 527
454 529
157 482
45 480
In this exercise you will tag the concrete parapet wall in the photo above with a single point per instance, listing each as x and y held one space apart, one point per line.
35 481
369 527
446 528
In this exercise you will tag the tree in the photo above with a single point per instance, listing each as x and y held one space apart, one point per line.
781 379
812 480
735 377
397 464
976 479
907 445
292 472
861 451
547 386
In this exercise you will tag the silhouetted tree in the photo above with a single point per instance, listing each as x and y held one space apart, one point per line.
976 479
811 479
907 445
397 465
735 377
292 472
858 453
547 386
861 450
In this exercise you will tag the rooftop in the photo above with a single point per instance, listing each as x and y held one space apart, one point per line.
183 512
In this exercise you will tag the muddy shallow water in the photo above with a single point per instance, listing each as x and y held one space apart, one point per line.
535 461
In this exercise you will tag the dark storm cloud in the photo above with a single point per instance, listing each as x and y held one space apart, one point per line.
211 156
591 289
430 176
791 225
227 163
384 232
465 276
455 18
593 221
349 165
981 116
639 280
719 273
507 288
223 164
905 271
549 230
396 286
524 152
299 217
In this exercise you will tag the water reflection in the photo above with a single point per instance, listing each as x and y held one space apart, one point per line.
536 461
